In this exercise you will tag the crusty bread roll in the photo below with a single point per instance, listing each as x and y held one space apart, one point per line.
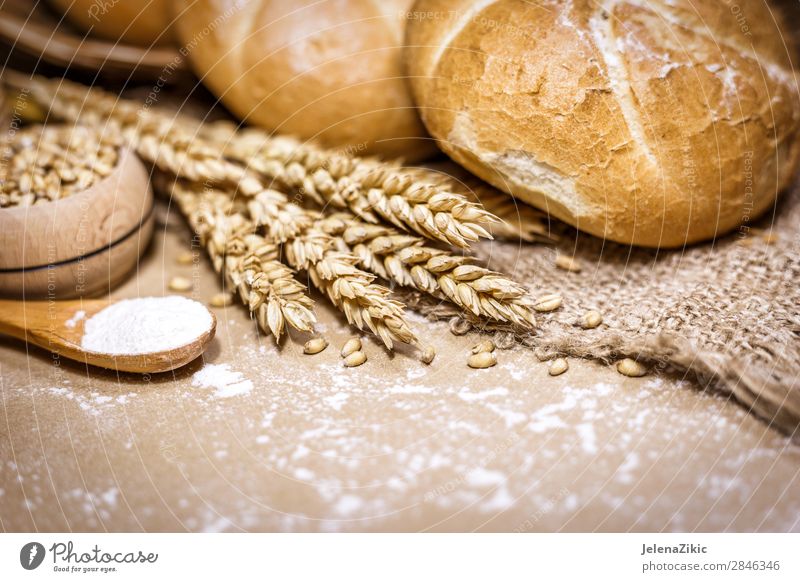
328 70
646 122
143 22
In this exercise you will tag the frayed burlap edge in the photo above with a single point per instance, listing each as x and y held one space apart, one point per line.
763 388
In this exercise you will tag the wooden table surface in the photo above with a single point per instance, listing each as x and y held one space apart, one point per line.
299 443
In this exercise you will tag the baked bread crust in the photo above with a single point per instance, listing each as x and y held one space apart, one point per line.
329 71
652 123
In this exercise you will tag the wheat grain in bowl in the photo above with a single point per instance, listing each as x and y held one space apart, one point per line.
40 164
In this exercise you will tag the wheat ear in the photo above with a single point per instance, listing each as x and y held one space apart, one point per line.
171 143
351 290
518 221
248 261
369 188
406 260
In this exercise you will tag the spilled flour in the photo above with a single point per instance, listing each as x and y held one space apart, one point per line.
93 403
223 380
73 321
400 445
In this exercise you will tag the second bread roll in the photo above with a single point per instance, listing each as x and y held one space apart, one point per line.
329 71
651 123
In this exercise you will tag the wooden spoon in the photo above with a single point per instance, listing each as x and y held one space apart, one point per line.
53 325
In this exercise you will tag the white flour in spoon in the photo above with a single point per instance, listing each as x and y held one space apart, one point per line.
146 325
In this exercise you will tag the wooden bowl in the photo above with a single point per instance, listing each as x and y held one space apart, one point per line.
81 245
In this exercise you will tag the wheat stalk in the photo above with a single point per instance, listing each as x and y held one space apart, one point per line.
417 199
351 290
406 260
369 188
248 261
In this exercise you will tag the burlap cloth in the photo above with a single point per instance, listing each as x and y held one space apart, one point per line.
727 312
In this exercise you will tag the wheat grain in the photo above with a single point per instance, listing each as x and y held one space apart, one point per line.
221 300
315 346
591 320
482 360
352 345
355 359
428 354
558 367
568 264
632 368
181 284
185 258
549 302
459 325
41 164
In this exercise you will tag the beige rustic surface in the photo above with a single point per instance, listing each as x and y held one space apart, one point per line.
392 445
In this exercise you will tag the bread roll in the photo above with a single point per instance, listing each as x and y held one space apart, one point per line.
328 70
654 123
143 23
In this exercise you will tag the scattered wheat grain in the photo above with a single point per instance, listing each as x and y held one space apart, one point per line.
428 354
221 300
558 367
355 359
629 367
549 302
567 264
591 320
482 360
180 284
315 346
352 345
185 258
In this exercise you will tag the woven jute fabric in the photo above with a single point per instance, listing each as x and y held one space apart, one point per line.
727 312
